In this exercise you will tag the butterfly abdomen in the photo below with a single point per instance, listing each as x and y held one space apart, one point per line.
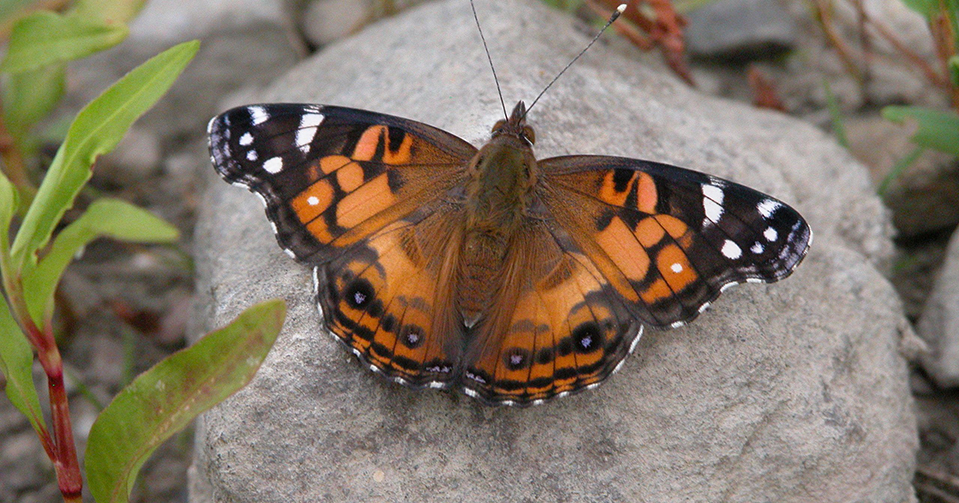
498 193
480 272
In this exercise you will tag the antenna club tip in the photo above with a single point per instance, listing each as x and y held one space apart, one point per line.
621 8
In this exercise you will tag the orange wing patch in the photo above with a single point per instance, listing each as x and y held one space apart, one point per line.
383 176
643 253
384 300
558 328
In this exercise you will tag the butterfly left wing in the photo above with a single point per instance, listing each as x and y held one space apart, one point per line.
332 176
667 239
363 197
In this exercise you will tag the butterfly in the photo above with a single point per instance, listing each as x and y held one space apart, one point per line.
511 279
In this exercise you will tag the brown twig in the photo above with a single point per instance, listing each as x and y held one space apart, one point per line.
664 31
931 75
822 11
940 485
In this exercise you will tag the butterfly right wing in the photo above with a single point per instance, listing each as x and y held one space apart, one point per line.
668 239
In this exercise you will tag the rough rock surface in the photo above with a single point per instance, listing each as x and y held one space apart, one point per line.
785 392
939 324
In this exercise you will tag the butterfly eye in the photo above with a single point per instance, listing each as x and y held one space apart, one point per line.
499 125
529 134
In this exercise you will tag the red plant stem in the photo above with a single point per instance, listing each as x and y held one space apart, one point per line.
63 451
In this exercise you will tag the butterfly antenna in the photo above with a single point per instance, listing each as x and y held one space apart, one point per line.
612 18
490 59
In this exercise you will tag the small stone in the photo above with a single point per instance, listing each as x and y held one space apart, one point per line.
939 324
328 20
740 30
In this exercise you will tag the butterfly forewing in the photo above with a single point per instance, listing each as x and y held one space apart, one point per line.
332 176
670 239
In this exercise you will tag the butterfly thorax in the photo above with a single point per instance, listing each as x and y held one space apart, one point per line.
498 194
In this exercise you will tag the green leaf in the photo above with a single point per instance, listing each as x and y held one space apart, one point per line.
16 362
96 130
937 130
925 8
8 208
16 355
110 11
10 10
44 37
105 217
167 397
954 69
30 96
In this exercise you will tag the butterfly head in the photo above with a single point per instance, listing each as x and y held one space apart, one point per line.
516 126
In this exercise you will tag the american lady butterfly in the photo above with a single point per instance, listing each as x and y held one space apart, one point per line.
509 278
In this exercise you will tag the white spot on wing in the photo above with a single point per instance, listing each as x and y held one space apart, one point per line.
308 127
252 156
676 268
712 204
731 250
771 234
273 165
768 207
312 201
757 248
259 115
246 140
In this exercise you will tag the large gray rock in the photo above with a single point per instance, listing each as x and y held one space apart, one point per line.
939 324
785 392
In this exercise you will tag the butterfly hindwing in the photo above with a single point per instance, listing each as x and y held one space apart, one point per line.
385 300
557 326
332 176
668 239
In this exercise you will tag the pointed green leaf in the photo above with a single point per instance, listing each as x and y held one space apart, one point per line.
10 10
167 397
16 363
925 8
96 130
937 130
30 96
110 11
8 208
954 68
45 37
105 217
